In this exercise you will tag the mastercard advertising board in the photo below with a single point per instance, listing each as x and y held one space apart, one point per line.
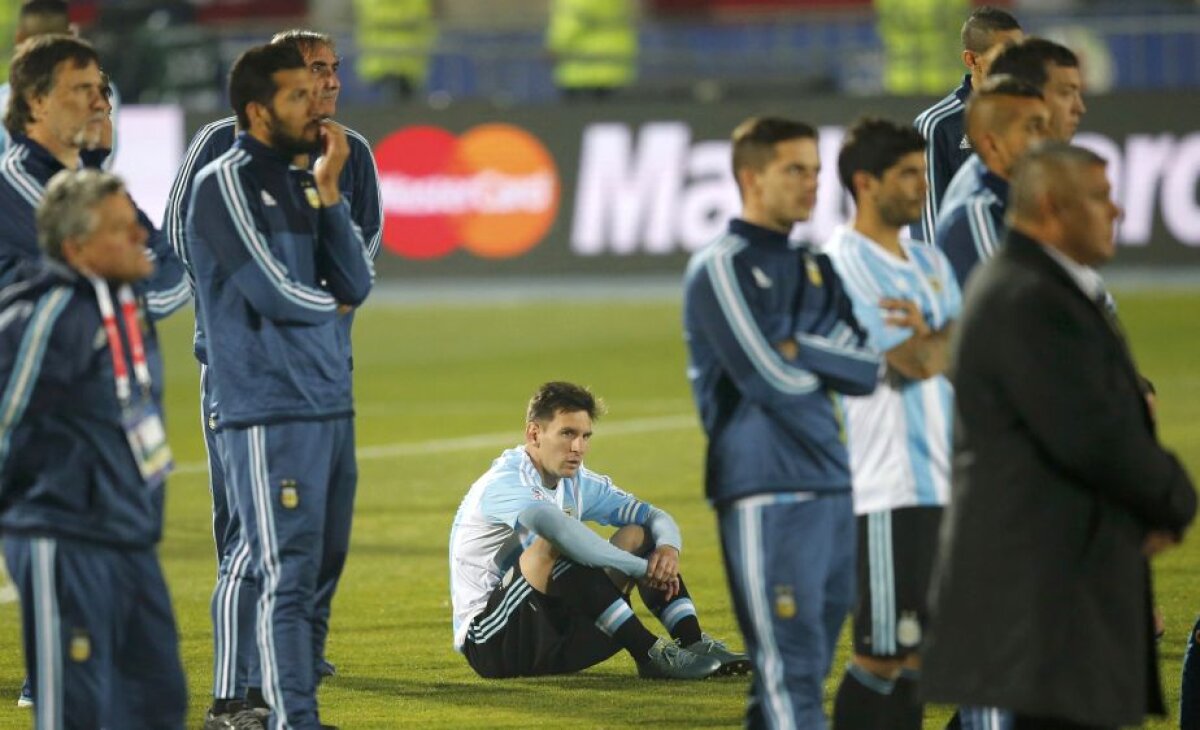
492 191
631 187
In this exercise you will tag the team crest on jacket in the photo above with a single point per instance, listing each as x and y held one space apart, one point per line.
289 496
935 283
908 631
81 646
314 199
814 271
785 602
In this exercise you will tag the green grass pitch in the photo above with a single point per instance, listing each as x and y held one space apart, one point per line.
440 391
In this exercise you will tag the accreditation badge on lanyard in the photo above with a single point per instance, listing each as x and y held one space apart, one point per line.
139 415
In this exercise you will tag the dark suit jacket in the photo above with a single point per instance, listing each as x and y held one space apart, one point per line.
1041 592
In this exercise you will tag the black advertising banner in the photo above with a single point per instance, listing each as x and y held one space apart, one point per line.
612 188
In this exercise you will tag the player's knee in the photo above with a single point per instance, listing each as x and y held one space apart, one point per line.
633 539
536 562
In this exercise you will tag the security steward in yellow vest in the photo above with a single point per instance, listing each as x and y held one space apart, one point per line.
594 44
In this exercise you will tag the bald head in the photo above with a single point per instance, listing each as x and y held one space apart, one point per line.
1061 196
1004 117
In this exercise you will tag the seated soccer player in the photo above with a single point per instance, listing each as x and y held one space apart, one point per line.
536 592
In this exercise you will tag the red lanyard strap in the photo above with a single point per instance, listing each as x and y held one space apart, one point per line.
133 332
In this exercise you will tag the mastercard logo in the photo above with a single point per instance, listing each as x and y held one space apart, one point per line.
492 191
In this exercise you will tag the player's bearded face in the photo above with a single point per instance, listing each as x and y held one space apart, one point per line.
901 191
295 136
74 109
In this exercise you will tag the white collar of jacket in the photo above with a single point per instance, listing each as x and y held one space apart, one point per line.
1086 278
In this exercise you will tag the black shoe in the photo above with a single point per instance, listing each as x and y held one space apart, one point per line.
325 669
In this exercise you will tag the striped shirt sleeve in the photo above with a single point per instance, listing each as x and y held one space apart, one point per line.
25 370
229 229
736 336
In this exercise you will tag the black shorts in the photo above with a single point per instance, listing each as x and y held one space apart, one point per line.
896 549
524 633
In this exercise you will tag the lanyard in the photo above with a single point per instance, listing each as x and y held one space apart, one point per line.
132 330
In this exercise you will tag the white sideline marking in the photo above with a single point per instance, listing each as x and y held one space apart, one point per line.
486 441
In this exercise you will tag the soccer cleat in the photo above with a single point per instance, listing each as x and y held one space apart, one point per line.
26 697
668 660
325 669
732 662
237 716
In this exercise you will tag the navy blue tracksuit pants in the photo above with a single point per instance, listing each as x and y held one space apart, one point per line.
101 649
790 564
294 486
234 598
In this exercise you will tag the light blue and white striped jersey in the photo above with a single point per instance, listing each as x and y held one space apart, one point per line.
487 539
899 436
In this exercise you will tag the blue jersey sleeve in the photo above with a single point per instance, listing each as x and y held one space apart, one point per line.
205 147
503 501
166 290
734 330
366 206
861 276
834 347
604 503
342 259
577 542
38 346
19 197
968 235
229 231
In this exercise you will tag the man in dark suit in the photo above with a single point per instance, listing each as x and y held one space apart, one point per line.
1061 491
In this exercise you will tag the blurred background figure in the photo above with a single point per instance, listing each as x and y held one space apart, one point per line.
594 44
395 39
918 37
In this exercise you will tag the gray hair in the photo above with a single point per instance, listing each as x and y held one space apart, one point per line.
68 210
1048 168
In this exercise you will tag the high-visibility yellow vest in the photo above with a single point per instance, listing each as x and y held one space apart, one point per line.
921 44
8 28
395 38
594 43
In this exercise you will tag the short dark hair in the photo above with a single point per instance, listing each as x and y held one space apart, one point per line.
873 145
1046 168
985 110
979 26
32 73
559 395
252 78
1028 60
754 140
44 9
305 41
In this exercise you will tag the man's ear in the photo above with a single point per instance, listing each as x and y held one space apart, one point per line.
532 431
255 112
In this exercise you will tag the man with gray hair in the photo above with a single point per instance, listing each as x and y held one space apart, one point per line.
59 109
1061 491
83 460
